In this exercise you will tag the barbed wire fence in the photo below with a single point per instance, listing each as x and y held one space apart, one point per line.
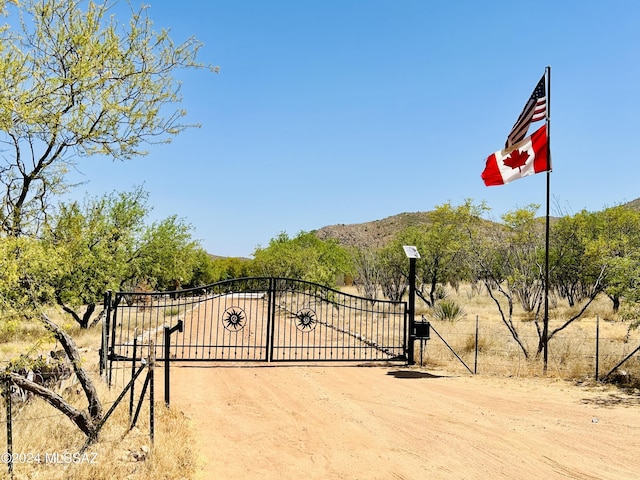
584 351
140 387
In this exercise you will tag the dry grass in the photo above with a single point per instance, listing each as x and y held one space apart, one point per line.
39 429
571 352
123 454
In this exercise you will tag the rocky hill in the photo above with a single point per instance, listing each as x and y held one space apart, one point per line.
378 232
372 234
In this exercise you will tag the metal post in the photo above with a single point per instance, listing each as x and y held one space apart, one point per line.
106 305
167 346
6 387
133 371
152 364
475 366
545 329
412 310
597 345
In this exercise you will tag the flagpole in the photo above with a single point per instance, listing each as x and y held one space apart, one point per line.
545 333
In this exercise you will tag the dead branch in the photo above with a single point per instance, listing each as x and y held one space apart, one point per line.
70 348
78 417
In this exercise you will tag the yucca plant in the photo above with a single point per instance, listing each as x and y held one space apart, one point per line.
447 310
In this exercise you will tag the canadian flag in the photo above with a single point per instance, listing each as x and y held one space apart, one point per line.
524 158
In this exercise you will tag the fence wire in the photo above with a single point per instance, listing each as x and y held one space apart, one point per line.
31 437
589 348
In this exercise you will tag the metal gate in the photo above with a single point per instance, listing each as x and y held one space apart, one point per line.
255 319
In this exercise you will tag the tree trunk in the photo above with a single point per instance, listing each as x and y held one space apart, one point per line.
70 348
83 320
78 417
87 315
616 304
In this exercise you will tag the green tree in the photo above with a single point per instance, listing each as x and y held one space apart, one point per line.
506 258
167 255
524 259
27 273
616 245
105 244
94 245
443 244
443 251
304 257
78 82
566 257
226 268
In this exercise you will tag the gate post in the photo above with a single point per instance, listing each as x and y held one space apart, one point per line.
167 357
412 254
104 347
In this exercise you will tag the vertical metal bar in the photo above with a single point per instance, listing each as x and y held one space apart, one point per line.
167 345
545 333
475 366
152 364
597 346
112 348
106 306
133 371
412 309
270 319
7 395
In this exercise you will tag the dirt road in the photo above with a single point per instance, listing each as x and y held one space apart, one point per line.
357 422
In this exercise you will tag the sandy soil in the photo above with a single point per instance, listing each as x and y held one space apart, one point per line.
393 422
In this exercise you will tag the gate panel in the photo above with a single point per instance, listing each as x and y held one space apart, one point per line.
312 322
223 321
256 319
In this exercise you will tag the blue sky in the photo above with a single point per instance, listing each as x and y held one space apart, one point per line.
337 112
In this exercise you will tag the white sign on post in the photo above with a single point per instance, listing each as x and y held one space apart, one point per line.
411 251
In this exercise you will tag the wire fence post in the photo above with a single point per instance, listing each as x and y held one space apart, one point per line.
475 364
6 391
152 364
597 346
133 372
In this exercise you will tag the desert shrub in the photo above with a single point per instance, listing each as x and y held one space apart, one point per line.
447 310
171 312
469 344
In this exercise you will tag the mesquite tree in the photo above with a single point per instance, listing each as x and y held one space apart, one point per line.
88 420
104 243
77 82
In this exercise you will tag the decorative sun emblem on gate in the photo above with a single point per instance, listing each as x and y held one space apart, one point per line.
306 320
234 319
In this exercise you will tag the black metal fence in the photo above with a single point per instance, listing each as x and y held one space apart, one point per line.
255 319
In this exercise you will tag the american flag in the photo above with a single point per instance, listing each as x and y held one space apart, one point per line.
534 110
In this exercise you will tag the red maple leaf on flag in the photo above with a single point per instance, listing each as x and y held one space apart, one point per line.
516 159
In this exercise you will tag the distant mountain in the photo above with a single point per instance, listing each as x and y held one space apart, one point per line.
378 233
373 234
633 204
